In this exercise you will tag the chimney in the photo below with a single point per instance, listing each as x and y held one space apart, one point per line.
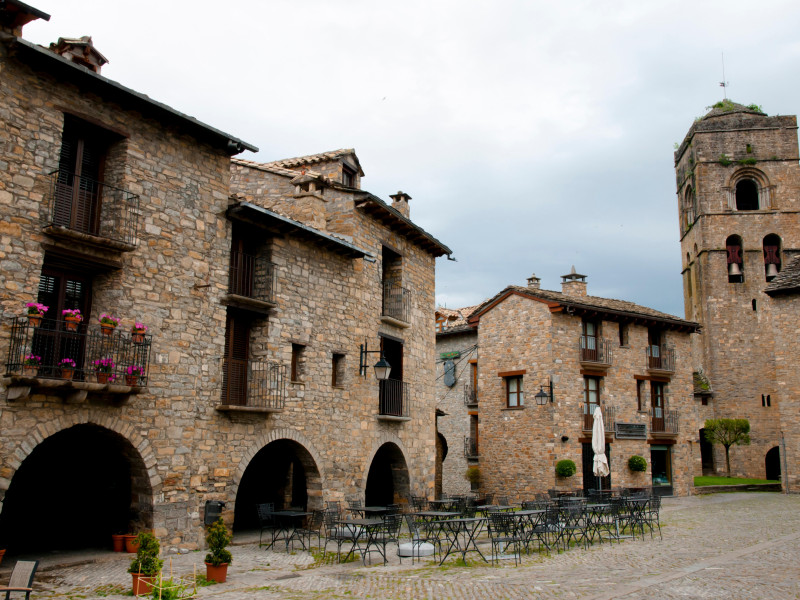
534 281
400 203
14 15
81 51
573 284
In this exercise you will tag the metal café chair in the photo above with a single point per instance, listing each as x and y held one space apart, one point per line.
503 535
312 528
21 579
266 520
421 532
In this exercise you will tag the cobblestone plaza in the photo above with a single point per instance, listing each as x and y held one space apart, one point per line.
716 546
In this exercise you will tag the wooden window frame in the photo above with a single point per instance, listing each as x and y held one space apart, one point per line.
518 397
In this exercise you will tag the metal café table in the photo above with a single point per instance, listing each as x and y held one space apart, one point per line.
528 521
285 527
441 504
461 536
369 511
362 529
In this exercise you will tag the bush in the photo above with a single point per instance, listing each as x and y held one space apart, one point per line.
566 468
473 474
637 464
217 538
147 561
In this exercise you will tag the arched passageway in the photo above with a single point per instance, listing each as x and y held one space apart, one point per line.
387 481
74 490
284 473
772 463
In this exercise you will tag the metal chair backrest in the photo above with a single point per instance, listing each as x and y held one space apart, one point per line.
315 520
502 524
265 511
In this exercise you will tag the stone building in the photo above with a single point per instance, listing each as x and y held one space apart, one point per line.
738 183
261 308
546 359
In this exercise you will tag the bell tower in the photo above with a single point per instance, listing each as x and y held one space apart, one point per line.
738 186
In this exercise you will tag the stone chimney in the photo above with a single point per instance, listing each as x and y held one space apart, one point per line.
81 51
400 203
14 15
534 281
573 284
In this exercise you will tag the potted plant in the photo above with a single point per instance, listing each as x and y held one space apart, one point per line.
566 468
118 542
108 323
132 374
473 475
36 312
218 558
72 318
146 564
67 368
637 464
30 365
103 368
137 332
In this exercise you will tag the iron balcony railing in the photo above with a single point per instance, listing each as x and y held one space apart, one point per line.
393 398
596 350
587 413
470 395
660 358
663 420
396 300
470 447
97 357
253 383
94 208
251 277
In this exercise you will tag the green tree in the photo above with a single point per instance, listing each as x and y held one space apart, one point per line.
728 432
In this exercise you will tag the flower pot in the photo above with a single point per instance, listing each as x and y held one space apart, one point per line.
218 574
71 323
102 377
117 542
107 329
137 336
131 380
131 545
67 373
35 320
2 552
142 584
30 371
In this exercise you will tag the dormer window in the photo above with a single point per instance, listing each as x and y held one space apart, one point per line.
348 176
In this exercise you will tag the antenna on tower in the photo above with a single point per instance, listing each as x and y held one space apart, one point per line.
724 84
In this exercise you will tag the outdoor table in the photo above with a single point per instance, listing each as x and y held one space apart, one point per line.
461 534
527 521
368 511
362 528
486 508
285 527
599 516
440 504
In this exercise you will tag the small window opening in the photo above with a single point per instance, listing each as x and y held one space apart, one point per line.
754 305
772 256
514 393
749 149
766 401
640 395
337 370
746 195
297 361
704 401
623 334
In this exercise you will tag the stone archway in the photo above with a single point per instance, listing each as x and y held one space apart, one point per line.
284 472
388 480
772 464
75 488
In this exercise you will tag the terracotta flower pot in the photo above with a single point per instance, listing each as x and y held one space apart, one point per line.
35 320
2 552
142 584
107 329
117 542
131 380
137 336
218 574
130 543
30 371
71 323
102 377
67 373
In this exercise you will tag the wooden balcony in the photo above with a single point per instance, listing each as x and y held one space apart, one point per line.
596 353
663 422
660 360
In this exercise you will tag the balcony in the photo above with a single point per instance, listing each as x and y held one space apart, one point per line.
53 342
92 212
251 283
470 395
395 306
663 422
257 386
587 416
596 352
660 360
393 400
470 447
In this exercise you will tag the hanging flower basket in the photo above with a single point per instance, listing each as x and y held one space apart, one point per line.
36 312
72 318
108 323
137 332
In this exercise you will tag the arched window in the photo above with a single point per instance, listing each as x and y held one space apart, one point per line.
772 256
689 212
735 259
746 195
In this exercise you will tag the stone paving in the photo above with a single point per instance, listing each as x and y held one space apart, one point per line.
720 546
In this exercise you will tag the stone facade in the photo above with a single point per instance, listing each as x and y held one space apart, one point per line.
738 186
164 446
535 336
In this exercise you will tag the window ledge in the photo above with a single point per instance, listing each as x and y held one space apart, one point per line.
21 387
395 322
392 418
514 408
235 408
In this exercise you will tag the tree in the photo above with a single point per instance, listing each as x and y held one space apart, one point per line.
728 432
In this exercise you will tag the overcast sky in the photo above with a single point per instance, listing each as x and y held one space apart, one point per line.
531 135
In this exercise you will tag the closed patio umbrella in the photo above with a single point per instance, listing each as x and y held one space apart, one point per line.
600 466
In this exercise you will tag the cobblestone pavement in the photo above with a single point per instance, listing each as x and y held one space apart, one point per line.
720 546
